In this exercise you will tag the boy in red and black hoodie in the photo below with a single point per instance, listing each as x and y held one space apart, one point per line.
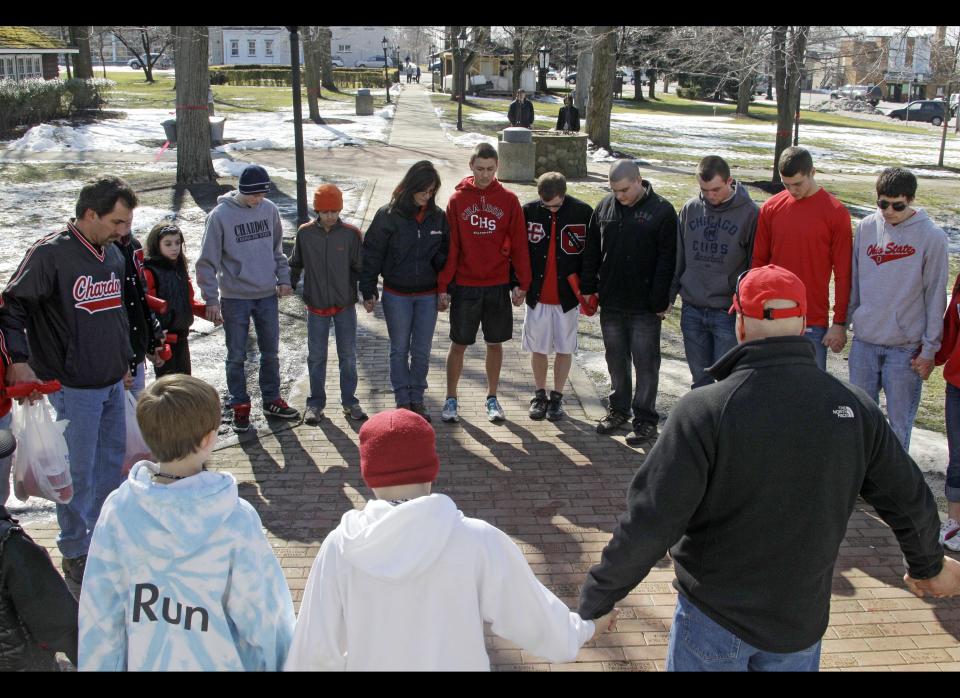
487 237
949 357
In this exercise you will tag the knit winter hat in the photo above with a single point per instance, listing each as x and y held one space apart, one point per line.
327 198
397 447
254 180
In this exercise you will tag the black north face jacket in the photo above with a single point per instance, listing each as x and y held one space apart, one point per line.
572 220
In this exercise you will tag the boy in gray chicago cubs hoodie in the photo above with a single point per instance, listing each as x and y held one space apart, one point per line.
241 272
714 245
897 299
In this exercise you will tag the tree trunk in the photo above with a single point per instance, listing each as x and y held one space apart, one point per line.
788 60
326 66
637 81
744 91
666 84
652 87
193 124
517 61
601 85
83 61
311 70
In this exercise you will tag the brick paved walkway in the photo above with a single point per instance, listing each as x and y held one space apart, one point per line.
557 489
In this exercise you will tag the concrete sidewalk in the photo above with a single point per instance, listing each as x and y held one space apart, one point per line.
556 488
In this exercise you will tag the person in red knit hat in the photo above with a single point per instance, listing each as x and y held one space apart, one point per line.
407 582
488 246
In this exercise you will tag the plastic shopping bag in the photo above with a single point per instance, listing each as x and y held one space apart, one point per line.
137 449
41 464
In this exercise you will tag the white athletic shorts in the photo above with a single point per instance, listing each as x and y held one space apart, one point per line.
547 329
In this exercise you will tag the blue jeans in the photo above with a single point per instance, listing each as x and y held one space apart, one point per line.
952 486
874 366
5 465
708 334
697 643
318 334
411 321
816 335
632 338
96 441
236 327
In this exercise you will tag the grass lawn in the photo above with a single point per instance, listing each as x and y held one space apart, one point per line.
133 92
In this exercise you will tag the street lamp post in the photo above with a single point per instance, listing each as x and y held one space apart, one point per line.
544 54
461 45
430 67
298 126
386 75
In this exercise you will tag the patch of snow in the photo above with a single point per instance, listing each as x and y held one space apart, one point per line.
602 155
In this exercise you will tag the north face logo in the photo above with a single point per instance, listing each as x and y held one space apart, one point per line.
891 252
844 412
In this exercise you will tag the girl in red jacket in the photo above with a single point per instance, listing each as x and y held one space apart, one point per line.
949 355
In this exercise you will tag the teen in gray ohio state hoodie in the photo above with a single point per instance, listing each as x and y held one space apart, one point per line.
714 245
899 281
241 254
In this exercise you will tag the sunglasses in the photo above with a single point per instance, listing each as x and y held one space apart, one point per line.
898 206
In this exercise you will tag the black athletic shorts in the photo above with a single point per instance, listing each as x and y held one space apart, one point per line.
473 306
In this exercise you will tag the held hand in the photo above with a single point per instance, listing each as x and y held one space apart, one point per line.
835 338
518 296
922 367
443 301
369 305
947 583
22 373
605 624
155 357
213 314
284 290
128 381
665 312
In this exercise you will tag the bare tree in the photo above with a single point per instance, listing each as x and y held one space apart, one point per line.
326 61
147 44
82 63
313 39
789 45
193 124
601 85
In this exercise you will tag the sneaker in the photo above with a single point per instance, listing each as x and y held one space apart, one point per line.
355 412
613 421
279 408
449 412
645 433
313 416
241 417
538 405
420 409
950 535
555 409
494 411
73 568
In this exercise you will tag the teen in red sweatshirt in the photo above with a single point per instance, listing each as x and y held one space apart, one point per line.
949 357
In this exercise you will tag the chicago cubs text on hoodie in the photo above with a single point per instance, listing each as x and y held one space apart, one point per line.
181 578
408 587
241 255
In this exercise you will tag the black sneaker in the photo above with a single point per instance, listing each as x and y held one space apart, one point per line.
613 421
241 417
73 568
280 409
555 409
420 409
643 434
538 405
314 415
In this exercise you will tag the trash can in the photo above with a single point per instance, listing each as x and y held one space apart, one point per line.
364 104
216 130
170 129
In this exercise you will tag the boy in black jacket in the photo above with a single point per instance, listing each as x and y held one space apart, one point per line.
752 483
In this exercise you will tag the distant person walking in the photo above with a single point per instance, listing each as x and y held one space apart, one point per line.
569 117
520 112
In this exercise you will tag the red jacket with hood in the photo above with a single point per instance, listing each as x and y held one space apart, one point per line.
949 353
487 235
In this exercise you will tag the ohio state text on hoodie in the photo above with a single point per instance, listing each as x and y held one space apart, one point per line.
487 235
898 289
63 312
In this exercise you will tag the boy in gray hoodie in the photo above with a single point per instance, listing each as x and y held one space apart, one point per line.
714 245
241 273
897 299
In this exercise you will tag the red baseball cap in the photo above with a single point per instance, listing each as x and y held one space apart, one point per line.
761 284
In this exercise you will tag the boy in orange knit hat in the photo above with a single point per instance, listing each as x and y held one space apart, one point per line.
327 253
407 582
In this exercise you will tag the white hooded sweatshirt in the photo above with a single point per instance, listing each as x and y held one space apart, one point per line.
409 586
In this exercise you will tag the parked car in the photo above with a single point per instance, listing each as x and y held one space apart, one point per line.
868 93
933 111
374 62
572 78
553 74
162 62
336 61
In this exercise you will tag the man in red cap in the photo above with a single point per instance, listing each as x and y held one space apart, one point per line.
750 487
407 582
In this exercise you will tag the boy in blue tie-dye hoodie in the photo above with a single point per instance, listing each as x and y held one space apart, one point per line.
179 574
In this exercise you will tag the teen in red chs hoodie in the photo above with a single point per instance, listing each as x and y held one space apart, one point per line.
949 353
487 235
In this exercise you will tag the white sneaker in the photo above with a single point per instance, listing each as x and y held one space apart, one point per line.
449 412
950 535
494 411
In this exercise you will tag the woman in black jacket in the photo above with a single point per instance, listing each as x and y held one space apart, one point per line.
407 244
568 110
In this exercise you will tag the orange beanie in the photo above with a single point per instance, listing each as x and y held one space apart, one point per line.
327 198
